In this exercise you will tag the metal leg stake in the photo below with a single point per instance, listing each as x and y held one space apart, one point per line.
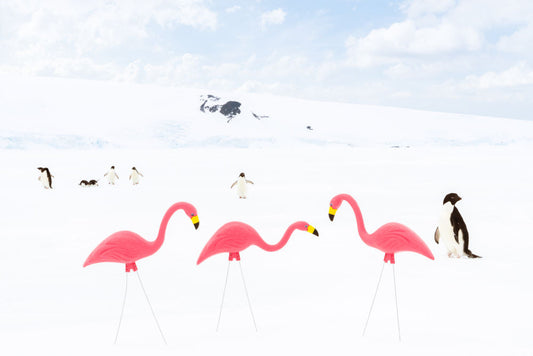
122 311
148 300
247 297
396 299
223 295
374 299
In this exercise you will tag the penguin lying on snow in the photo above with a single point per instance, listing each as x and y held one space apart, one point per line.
452 229
241 185
45 177
92 182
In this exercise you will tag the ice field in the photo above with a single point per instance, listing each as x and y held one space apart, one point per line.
312 296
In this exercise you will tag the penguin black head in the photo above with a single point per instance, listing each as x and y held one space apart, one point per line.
452 198
134 168
112 167
40 169
241 175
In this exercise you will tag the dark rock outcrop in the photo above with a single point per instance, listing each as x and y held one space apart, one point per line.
230 109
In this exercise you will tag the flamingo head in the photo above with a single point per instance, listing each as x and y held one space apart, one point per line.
334 205
302 225
191 212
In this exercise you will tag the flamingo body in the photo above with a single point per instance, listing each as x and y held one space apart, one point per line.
237 236
389 238
128 247
121 247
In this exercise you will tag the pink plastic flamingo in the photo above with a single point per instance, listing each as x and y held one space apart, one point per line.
235 237
128 247
389 238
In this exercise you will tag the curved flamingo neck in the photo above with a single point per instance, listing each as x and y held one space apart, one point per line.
158 242
267 247
358 216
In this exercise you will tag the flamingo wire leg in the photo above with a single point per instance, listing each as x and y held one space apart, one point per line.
396 299
223 295
152 309
122 311
247 297
374 299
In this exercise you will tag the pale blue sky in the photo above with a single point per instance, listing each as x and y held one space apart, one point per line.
469 56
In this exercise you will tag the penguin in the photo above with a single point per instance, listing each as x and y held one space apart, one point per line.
134 176
452 229
92 182
45 177
111 175
241 185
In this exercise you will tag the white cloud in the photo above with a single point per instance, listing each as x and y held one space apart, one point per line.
517 75
401 39
233 9
82 27
445 27
274 17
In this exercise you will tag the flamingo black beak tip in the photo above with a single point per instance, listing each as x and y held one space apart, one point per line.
196 225
315 232
331 217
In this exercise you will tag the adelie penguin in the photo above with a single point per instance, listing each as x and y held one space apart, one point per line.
111 175
452 230
135 176
241 185
45 177
88 183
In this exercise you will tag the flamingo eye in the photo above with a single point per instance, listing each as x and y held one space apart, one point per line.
192 215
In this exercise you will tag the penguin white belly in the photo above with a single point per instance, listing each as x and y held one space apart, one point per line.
135 178
111 177
447 238
241 188
44 180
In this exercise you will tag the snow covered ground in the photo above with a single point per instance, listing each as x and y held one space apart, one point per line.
311 297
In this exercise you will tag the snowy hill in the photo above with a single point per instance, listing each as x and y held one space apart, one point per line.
66 113
313 296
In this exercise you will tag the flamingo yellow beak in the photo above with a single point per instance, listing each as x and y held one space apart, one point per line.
332 213
312 230
195 221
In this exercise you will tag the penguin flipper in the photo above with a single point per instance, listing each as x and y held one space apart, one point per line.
249 181
437 235
458 224
233 184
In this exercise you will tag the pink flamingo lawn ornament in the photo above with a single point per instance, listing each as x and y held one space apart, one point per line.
128 247
389 238
235 237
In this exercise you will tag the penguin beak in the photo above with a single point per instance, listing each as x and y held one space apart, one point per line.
332 213
195 221
312 230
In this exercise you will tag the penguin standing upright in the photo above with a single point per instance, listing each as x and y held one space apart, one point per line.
45 177
135 176
241 185
111 175
451 230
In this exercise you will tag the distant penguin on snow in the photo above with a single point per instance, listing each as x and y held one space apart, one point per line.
45 177
86 183
135 176
111 175
241 185
452 230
